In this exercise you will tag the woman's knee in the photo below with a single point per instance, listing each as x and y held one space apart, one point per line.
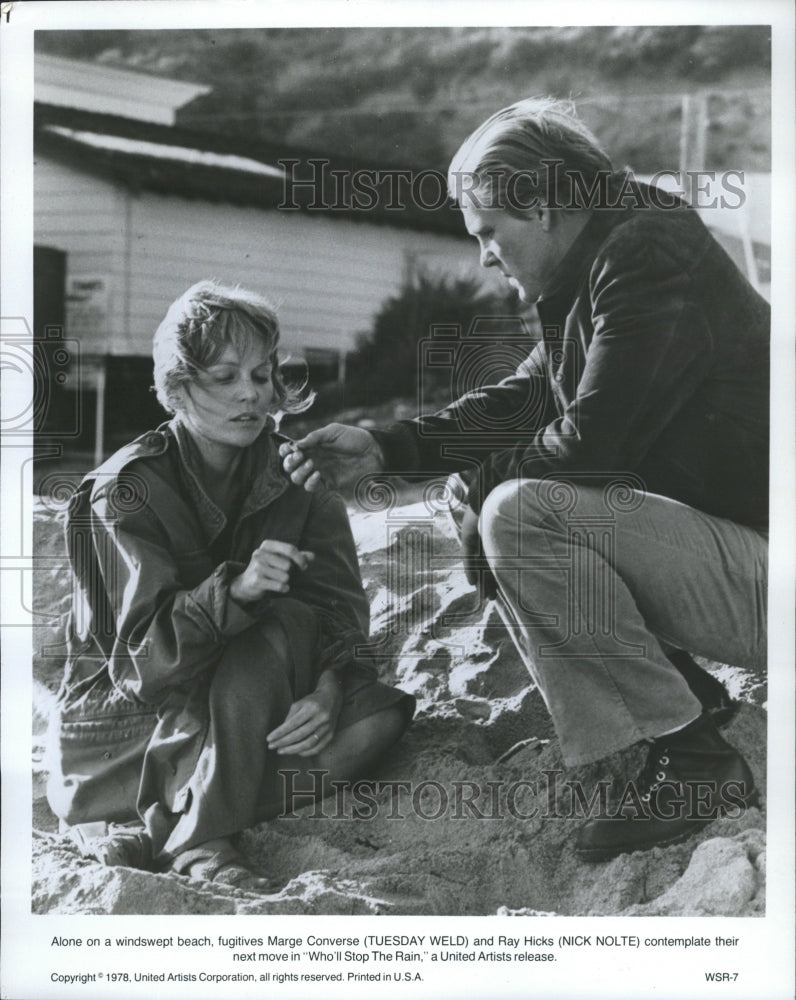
292 629
379 731
388 726
253 667
363 742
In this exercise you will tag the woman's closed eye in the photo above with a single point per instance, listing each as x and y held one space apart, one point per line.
261 376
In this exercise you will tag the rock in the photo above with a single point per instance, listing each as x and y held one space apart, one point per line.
504 911
719 881
473 708
754 840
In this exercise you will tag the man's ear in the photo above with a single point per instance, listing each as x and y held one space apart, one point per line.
538 216
545 217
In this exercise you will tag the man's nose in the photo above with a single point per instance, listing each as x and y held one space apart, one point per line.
488 259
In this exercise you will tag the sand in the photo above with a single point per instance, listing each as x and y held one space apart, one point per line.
473 811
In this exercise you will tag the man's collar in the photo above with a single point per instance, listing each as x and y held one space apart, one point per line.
626 195
567 275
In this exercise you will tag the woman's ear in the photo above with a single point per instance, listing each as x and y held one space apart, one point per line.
178 397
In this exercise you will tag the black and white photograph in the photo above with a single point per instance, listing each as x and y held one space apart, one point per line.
398 500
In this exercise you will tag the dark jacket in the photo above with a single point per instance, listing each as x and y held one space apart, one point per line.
154 608
152 559
654 361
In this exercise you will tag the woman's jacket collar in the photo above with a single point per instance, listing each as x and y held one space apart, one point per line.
261 467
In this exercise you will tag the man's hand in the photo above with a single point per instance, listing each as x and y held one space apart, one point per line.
268 570
337 455
311 721
475 566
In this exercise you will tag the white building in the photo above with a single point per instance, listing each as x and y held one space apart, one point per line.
139 233
73 83
141 209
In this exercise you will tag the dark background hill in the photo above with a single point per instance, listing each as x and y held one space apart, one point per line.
409 95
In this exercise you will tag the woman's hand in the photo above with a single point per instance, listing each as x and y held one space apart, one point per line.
268 570
311 721
337 455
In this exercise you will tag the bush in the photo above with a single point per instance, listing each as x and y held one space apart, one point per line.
386 362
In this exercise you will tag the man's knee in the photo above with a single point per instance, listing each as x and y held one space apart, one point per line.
520 507
510 509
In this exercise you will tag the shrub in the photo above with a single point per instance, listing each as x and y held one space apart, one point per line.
385 364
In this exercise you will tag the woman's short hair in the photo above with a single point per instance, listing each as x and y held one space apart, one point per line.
533 154
198 327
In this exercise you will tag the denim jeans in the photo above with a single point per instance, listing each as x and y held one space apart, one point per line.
595 581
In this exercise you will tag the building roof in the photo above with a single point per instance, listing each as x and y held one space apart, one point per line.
164 151
189 163
91 86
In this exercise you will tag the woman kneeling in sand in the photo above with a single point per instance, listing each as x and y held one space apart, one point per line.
218 609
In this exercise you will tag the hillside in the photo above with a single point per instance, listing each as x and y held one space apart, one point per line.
409 95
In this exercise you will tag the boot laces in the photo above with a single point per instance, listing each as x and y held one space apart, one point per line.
654 772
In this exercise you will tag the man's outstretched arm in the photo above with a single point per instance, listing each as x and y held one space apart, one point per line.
456 438
336 455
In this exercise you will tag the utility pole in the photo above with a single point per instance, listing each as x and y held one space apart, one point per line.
693 131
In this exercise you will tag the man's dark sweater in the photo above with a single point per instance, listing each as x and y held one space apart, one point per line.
654 361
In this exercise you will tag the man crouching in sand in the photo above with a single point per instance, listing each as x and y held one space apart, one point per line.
623 517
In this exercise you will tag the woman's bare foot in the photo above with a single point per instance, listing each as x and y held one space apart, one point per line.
218 861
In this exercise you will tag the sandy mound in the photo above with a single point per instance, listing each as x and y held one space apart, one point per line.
473 814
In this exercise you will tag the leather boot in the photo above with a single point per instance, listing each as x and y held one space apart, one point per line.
691 778
713 695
